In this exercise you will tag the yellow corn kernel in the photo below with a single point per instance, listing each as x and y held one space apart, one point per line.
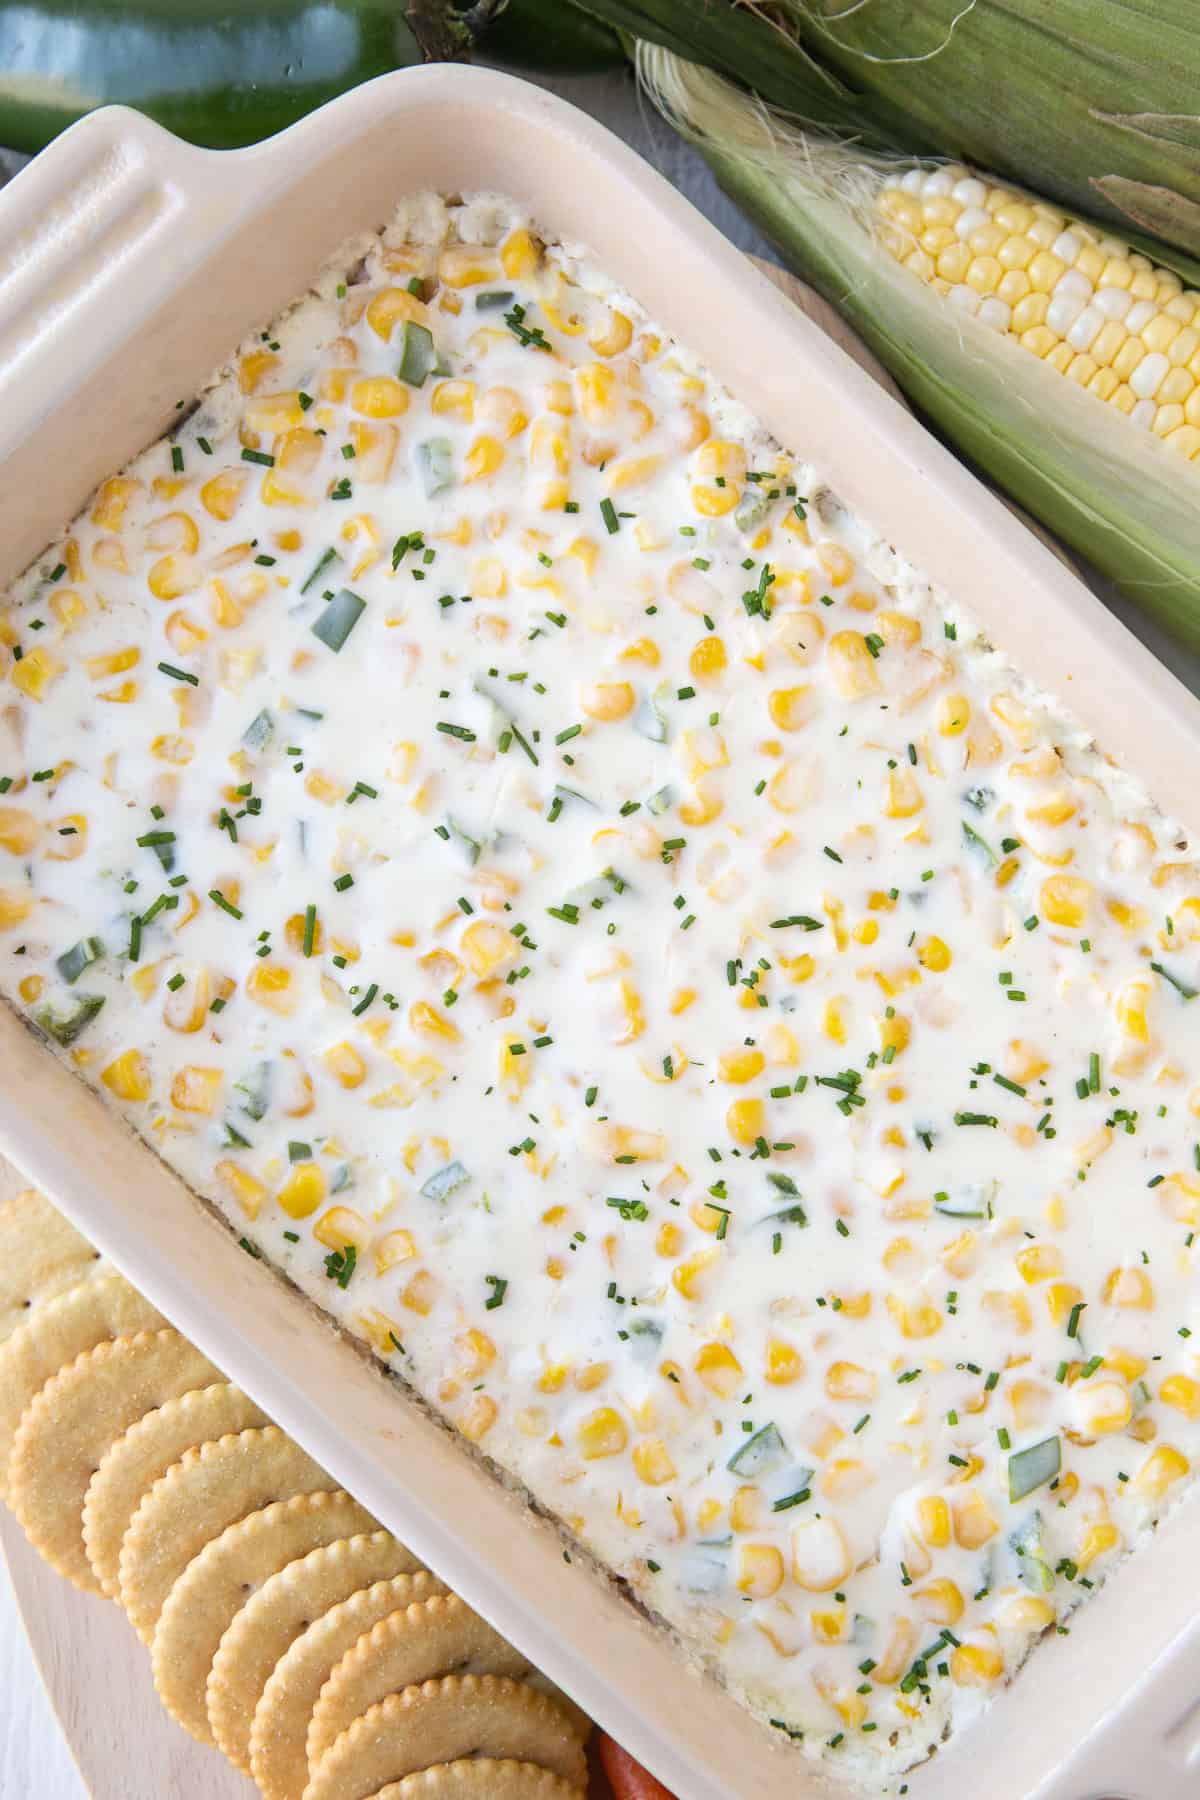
821 1558
897 1654
635 1018
934 954
975 1666
1098 1540
718 1368
1064 900
246 1189
68 608
303 1191
485 456
791 709
115 663
760 1570
668 1240
427 1019
1037 1262
340 1227
1024 1064
501 406
19 830
222 494
688 1278
1160 1471
382 1333
515 1070
745 1509
1129 1287
848 1381
715 502
854 672
602 1433
613 337
269 984
653 1463
128 1076
708 659
386 309
393 1248
902 794
1103 1407
1130 1007
643 650
195 1089
345 1064
489 947
941 1601
784 1363
418 1295
475 1352
36 672
607 700
746 1120
1181 1393
1030 1613
933 1518
478 1417
520 254
916 1318
737 1066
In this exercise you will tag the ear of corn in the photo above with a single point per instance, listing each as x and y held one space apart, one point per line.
1092 101
1008 390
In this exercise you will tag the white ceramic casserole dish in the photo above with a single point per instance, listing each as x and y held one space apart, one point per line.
130 265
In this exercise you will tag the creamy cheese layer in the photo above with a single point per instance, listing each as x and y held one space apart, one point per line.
591 915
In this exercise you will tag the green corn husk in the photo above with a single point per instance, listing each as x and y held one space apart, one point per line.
1109 489
1091 102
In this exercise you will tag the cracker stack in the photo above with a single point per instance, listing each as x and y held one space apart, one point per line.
284 1626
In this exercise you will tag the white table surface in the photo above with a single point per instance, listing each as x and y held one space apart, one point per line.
35 1763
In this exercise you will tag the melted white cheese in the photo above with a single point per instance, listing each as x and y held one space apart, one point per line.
709 937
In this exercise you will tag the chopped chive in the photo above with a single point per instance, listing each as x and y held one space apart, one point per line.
219 899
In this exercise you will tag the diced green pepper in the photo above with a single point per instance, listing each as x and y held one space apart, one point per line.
435 465
759 1454
339 618
1032 1468
79 957
418 353
444 1182
64 1024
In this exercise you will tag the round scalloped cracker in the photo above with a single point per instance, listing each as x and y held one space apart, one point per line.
425 1641
445 1721
40 1256
481 1778
216 1585
278 1760
130 1468
274 1617
81 1411
99 1307
209 1488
